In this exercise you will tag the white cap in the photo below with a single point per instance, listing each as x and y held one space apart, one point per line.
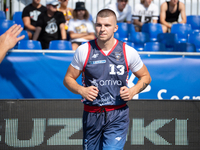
52 2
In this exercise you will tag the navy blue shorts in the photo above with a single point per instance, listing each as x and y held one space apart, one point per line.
105 130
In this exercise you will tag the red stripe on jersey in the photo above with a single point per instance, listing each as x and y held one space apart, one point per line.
126 61
88 55
102 50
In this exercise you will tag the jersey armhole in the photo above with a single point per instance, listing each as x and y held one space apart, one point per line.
89 49
125 58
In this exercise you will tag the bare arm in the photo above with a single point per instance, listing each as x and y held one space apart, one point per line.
76 35
63 32
183 14
27 23
144 80
137 22
37 33
155 21
87 36
163 10
89 93
9 39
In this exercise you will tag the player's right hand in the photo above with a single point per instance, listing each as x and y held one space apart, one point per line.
90 93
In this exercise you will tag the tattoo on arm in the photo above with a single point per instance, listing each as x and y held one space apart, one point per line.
144 85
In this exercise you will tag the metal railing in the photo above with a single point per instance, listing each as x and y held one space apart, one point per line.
142 53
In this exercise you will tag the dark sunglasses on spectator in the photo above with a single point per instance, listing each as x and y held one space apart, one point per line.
54 6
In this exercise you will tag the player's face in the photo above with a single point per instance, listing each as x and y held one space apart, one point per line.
105 27
122 4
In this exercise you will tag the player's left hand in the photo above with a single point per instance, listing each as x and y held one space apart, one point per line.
125 93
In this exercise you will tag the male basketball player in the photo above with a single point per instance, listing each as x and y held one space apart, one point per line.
104 64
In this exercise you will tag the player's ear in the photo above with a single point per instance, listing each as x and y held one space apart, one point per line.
116 28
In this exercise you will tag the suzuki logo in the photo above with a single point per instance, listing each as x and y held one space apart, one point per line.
73 125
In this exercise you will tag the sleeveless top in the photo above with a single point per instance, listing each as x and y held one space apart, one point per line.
107 72
172 17
69 16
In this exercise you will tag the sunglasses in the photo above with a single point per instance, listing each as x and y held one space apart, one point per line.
54 6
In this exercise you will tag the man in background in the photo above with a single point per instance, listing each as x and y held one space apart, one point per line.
30 16
122 10
50 25
169 14
146 11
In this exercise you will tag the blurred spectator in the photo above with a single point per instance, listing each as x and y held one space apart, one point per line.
80 28
67 12
169 13
30 16
122 10
50 25
145 12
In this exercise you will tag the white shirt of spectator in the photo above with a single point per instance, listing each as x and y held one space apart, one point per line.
80 26
34 14
125 15
144 14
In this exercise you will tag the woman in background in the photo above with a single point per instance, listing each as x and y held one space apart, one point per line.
67 12
80 29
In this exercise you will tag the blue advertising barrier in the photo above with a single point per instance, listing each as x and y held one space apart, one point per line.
39 76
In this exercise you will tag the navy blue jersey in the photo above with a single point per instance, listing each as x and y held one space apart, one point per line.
107 72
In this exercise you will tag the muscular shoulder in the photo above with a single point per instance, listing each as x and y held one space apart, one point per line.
163 6
80 56
133 58
130 51
181 6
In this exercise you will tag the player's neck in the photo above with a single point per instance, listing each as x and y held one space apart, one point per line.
106 45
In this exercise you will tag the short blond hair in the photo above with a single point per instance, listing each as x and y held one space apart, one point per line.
106 13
